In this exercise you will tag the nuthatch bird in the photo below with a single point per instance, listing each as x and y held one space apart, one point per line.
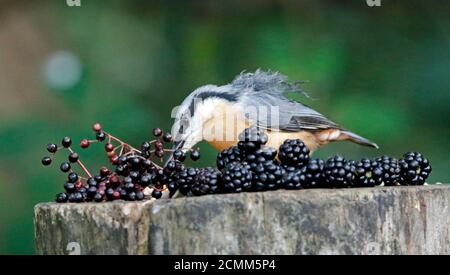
218 114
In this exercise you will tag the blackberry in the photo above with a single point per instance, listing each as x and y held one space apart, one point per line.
390 170
338 172
293 179
251 139
313 174
207 182
414 169
236 177
259 156
232 154
293 152
267 175
368 173
185 179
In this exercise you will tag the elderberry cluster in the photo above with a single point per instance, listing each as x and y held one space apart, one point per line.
134 174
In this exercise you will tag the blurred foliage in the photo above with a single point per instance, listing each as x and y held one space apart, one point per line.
382 72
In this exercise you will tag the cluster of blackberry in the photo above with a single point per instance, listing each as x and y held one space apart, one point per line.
135 174
248 166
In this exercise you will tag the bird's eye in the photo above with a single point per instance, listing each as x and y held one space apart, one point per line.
183 125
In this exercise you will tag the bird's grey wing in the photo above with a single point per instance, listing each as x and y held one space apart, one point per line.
275 111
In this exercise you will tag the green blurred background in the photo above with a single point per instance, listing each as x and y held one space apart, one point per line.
382 72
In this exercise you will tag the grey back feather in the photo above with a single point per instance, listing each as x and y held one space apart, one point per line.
265 90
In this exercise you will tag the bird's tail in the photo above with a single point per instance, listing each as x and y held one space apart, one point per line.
347 135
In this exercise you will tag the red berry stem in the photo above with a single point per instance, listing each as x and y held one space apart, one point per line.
82 165
124 144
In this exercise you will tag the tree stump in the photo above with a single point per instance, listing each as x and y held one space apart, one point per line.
382 220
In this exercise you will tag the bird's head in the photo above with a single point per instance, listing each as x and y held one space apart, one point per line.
196 110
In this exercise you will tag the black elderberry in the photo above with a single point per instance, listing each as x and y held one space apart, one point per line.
179 155
46 161
146 179
167 137
122 160
62 197
72 197
91 191
139 195
65 167
100 136
146 146
78 197
72 177
131 196
109 193
66 142
157 194
73 157
52 148
98 197
195 155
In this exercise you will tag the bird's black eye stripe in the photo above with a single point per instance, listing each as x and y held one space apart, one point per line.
227 96
206 95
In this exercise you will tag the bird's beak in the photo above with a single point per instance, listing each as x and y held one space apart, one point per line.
178 144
